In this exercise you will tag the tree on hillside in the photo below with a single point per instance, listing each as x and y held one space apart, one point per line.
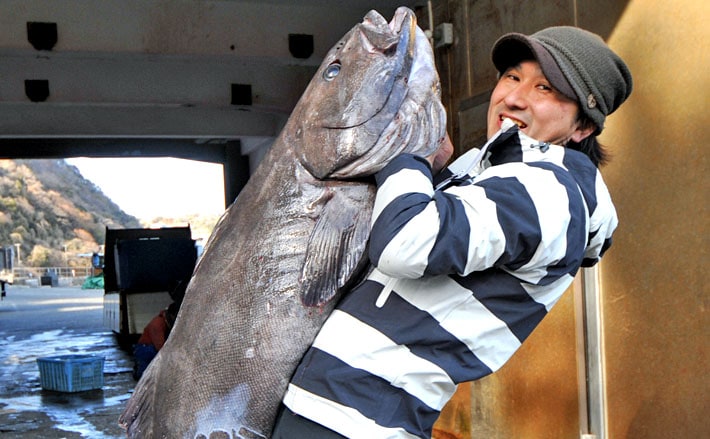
42 256
53 213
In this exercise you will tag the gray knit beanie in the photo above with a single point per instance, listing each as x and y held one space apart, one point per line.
576 62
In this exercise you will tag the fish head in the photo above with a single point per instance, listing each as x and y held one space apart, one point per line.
376 94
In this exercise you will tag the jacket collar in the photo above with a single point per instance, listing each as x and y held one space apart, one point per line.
510 145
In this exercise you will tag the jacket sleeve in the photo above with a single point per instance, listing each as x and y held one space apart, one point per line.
603 222
513 216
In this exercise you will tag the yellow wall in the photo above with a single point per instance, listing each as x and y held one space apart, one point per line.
654 281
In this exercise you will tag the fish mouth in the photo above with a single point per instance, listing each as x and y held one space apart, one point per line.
377 33
380 36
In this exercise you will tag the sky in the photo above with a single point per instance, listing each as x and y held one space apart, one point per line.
150 187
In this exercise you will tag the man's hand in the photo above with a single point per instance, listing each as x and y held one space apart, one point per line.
438 159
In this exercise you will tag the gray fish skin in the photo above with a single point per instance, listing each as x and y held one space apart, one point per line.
294 238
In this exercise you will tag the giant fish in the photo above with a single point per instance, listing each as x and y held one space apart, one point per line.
293 240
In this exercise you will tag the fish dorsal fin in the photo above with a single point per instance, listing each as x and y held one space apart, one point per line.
336 250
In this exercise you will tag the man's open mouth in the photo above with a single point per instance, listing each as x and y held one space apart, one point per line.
519 123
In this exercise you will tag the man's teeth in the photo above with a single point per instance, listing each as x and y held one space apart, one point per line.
508 122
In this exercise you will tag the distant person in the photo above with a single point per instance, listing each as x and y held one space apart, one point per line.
95 260
153 338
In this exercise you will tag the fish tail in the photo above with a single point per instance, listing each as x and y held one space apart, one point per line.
136 418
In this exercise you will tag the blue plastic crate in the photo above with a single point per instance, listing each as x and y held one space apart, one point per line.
71 373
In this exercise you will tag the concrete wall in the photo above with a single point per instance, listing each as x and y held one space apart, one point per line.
653 297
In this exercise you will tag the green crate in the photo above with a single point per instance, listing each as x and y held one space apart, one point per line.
71 373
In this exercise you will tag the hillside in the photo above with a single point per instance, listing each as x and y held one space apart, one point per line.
53 212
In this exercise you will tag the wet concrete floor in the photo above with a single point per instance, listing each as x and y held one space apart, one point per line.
50 321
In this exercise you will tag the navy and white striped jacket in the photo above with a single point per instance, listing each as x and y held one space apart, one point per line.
461 277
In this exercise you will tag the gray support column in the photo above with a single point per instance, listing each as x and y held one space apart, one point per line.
236 171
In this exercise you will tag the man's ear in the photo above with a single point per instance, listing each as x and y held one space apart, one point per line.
582 132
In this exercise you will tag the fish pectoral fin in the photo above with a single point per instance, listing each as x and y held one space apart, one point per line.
336 250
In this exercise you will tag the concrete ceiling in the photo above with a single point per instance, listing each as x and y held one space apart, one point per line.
195 72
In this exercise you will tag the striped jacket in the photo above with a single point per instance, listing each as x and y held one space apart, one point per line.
461 276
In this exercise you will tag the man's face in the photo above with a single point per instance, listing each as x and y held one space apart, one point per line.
525 96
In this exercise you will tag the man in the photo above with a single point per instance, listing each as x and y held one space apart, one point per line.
465 266
153 338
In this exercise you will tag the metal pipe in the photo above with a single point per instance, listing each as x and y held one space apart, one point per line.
595 364
430 13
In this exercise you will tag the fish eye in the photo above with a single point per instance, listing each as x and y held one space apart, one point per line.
331 71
